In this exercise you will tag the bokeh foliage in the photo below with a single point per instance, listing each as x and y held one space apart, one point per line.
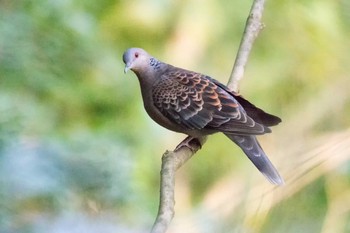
79 154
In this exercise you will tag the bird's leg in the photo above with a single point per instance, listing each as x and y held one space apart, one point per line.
190 142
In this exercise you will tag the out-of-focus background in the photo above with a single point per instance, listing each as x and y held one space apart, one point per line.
79 154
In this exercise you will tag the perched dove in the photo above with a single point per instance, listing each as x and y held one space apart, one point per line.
197 105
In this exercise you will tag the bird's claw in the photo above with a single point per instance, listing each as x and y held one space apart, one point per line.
191 143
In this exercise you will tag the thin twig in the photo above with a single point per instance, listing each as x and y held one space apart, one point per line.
172 160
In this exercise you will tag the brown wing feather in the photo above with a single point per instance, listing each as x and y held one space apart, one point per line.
194 101
258 115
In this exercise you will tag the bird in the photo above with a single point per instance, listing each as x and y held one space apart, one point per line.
197 105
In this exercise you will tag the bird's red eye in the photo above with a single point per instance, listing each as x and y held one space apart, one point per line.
136 55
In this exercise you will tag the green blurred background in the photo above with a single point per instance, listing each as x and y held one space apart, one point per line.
79 154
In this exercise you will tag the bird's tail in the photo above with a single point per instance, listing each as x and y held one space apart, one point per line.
251 147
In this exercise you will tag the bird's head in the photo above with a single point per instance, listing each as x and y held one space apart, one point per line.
135 59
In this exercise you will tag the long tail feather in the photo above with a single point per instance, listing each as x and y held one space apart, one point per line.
251 147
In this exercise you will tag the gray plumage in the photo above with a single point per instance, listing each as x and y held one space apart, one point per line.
197 105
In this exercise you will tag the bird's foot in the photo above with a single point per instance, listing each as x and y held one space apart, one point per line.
191 143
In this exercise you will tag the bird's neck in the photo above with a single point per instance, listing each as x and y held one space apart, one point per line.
146 79
155 64
149 74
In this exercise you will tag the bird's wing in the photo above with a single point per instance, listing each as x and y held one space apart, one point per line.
194 101
258 115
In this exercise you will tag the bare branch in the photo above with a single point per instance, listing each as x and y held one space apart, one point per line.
251 31
172 160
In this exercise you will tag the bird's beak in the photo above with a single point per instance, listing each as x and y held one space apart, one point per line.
127 67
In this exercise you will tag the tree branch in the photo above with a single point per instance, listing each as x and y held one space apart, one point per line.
173 160
251 31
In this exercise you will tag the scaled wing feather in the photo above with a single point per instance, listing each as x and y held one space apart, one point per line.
195 101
